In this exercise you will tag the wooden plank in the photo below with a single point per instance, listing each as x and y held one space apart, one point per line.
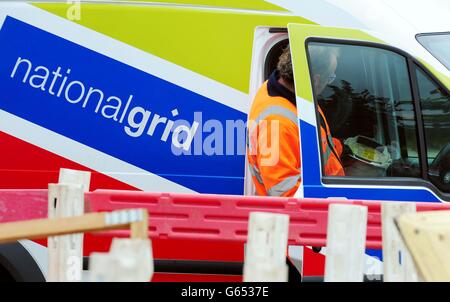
398 265
265 253
427 236
346 238
42 228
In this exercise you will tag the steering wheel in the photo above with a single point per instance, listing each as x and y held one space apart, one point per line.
439 170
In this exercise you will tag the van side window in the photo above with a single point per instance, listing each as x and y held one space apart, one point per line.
368 104
435 107
272 57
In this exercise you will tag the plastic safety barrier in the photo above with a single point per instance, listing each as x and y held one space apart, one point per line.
204 216
17 205
225 217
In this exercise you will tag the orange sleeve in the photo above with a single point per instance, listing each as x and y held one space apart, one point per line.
338 145
279 156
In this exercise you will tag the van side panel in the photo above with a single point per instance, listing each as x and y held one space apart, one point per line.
141 94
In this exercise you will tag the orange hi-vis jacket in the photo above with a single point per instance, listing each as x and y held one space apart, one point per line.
273 147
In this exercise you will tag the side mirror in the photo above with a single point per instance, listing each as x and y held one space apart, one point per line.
439 171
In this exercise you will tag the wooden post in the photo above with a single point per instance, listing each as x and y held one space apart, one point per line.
427 236
398 265
129 260
346 241
265 255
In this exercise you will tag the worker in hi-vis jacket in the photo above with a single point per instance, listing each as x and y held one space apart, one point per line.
273 146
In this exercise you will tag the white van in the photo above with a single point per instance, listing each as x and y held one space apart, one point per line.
154 95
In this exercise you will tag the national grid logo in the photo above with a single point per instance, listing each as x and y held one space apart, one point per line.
59 85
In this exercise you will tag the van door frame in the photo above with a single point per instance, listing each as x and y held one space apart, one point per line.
315 184
265 38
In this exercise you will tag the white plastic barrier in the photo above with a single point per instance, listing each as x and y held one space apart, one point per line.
346 241
398 265
129 260
66 199
265 257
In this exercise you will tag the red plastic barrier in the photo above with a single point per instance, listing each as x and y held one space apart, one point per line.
16 205
203 216
224 217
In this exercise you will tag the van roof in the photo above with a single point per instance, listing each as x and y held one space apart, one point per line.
385 16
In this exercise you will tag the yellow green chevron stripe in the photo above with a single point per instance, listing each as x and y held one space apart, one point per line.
214 43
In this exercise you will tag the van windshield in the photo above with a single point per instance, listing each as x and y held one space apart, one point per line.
438 45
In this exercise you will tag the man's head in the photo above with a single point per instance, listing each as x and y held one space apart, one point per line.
323 66
284 67
324 61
